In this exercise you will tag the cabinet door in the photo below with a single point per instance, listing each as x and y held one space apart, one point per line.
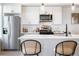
57 17
56 13
30 15
9 8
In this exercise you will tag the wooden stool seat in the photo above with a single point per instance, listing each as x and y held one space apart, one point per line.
30 47
66 48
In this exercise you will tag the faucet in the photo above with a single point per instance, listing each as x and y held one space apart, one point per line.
66 32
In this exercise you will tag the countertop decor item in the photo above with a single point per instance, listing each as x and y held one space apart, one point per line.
24 29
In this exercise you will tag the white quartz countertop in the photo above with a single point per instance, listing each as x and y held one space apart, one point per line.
37 36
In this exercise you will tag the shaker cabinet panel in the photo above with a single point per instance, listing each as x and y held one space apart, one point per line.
9 8
30 15
57 15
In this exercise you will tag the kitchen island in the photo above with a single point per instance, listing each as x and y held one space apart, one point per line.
49 42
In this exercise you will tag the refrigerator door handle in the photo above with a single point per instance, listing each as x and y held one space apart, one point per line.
9 34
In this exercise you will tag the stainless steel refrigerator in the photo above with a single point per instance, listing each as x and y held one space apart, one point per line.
11 31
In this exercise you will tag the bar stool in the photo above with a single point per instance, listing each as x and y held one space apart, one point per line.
66 48
30 47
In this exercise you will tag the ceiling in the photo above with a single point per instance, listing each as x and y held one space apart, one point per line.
48 4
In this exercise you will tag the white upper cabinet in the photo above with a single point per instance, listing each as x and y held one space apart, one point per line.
11 8
56 13
30 15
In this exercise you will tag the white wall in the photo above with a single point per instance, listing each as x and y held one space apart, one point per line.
0 21
66 12
0 26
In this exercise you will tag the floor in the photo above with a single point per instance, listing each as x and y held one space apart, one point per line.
11 53
18 53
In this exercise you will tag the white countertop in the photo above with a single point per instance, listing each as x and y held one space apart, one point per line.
37 36
0 37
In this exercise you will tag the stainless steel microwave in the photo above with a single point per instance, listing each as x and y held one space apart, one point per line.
45 17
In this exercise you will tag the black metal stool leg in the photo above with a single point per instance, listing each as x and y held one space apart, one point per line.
37 54
55 53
